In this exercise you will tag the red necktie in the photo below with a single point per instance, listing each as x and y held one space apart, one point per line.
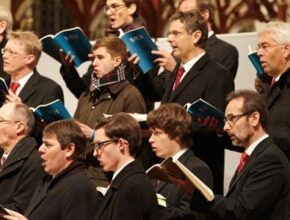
178 77
243 161
14 86
272 82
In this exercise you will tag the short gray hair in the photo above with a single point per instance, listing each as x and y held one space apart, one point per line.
5 15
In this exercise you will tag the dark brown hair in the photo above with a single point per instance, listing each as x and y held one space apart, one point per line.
252 102
122 125
68 132
174 121
113 45
193 21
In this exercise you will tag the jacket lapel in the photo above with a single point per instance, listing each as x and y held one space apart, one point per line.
29 87
260 148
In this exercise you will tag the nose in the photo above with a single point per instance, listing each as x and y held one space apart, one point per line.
226 126
95 153
41 149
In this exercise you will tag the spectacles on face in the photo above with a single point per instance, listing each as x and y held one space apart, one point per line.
175 34
266 47
113 7
100 146
3 121
232 119
10 52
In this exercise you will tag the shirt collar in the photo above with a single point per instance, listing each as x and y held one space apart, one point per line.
179 154
121 168
252 147
22 82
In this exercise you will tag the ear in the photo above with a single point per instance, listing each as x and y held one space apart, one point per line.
70 149
30 59
132 9
19 128
205 14
255 119
3 26
286 51
117 61
196 36
123 145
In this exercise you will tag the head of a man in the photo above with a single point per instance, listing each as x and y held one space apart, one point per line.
170 125
122 12
6 21
63 143
21 53
205 7
274 47
187 34
246 117
117 140
16 122
107 54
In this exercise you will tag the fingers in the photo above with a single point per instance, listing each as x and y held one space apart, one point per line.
134 59
12 97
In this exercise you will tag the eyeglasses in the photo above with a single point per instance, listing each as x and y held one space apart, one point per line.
99 146
3 121
10 52
113 7
232 119
175 34
265 47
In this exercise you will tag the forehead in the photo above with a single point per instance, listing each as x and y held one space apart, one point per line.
100 134
110 2
235 106
101 51
266 37
176 25
6 111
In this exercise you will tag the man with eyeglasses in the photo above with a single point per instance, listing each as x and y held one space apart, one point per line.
260 186
20 163
20 57
274 53
200 78
130 194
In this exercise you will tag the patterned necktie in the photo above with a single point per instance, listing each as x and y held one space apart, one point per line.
14 86
178 77
243 161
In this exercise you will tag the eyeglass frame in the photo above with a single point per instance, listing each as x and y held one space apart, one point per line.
100 146
113 7
10 52
265 46
235 118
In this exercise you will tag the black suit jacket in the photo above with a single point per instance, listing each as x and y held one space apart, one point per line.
70 195
278 101
260 191
20 175
40 90
177 200
130 196
212 82
223 53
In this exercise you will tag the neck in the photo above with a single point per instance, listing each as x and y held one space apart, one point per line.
8 147
20 74
124 160
191 55
258 134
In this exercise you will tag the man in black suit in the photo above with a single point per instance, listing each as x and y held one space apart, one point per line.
20 57
170 125
274 53
259 189
20 166
202 78
130 194
219 50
